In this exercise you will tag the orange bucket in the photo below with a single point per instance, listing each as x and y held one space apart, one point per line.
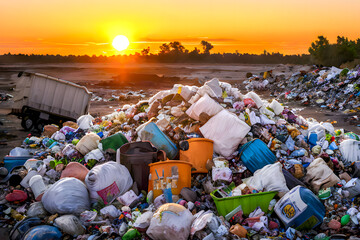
198 151
171 173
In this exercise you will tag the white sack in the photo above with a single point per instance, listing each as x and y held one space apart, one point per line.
89 142
204 105
170 221
319 175
85 121
66 196
226 130
107 181
269 178
350 150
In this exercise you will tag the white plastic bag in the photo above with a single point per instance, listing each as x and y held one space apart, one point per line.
204 105
170 221
255 98
223 173
66 196
226 130
350 150
58 136
85 121
319 175
107 181
212 88
95 154
110 211
143 221
89 142
70 224
18 151
269 178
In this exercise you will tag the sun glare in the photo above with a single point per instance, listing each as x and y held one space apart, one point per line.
120 42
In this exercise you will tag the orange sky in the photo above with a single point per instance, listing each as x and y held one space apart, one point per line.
88 26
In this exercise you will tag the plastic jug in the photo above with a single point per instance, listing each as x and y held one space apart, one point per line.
300 209
256 155
136 157
114 142
197 151
152 133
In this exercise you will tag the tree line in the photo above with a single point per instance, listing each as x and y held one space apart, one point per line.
321 52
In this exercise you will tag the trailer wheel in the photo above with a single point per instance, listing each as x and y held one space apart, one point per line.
27 123
40 125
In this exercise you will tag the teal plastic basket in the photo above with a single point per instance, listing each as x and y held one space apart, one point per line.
248 202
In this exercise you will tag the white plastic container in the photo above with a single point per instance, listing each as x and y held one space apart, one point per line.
276 106
37 186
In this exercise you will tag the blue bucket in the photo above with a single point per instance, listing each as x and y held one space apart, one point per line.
256 155
152 133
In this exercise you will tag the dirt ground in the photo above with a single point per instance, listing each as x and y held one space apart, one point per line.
115 85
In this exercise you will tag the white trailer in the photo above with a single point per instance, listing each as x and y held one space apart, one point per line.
40 99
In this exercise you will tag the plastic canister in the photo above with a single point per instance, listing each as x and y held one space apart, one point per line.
114 142
197 151
300 209
255 155
172 174
37 186
152 133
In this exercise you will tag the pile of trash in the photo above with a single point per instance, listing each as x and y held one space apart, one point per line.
331 88
189 163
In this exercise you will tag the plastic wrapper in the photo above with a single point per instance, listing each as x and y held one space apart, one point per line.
70 224
170 221
224 174
107 181
66 196
85 121
350 150
36 209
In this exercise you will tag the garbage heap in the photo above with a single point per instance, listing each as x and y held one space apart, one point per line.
189 163
330 88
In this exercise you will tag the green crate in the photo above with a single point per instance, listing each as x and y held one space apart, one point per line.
248 202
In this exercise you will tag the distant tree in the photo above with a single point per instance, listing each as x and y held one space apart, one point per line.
177 47
165 48
145 51
206 47
319 50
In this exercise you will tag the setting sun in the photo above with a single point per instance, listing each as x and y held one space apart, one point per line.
120 42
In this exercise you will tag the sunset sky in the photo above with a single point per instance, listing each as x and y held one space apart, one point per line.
89 26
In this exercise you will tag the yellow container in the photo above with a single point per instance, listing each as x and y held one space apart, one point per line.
199 152
171 173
